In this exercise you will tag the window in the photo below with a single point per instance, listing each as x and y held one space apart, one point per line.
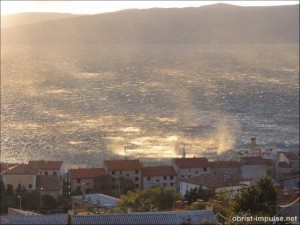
204 169
30 185
189 176
164 184
114 179
196 172
78 181
165 177
46 173
171 184
54 173
113 172
171 177
136 186
157 180
87 183
136 172
182 175
120 172
148 178
136 179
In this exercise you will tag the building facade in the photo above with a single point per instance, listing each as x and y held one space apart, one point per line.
190 167
83 177
253 167
124 168
20 174
164 176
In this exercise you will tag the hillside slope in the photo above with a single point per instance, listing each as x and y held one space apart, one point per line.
214 24
18 19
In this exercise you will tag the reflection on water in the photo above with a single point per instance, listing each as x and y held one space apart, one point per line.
85 104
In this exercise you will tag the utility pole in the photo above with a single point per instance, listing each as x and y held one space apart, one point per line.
20 201
119 181
41 197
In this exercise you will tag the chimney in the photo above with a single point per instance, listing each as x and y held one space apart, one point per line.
83 191
253 144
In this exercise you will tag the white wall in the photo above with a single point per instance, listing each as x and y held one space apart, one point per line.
184 186
254 171
159 180
192 172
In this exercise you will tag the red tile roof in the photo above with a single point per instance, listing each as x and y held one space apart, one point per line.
45 165
85 173
224 164
292 155
284 165
255 160
209 180
191 162
159 171
123 164
6 166
21 169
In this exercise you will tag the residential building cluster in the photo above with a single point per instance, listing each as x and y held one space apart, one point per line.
182 175
44 176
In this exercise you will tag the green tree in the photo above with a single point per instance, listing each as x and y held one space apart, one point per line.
20 190
31 200
103 184
4 198
198 193
126 185
257 200
49 202
156 198
64 202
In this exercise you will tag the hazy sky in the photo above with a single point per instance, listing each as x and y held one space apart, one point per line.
93 7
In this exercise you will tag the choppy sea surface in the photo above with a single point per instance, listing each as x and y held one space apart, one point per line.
85 104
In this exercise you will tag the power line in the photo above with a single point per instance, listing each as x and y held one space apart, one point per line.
284 206
251 186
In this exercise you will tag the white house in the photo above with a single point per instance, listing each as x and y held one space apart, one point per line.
99 202
159 175
47 168
218 183
124 168
190 167
20 174
83 176
256 166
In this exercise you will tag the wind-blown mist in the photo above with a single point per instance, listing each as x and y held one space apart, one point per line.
84 104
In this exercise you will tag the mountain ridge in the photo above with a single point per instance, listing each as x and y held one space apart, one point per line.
20 19
213 24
